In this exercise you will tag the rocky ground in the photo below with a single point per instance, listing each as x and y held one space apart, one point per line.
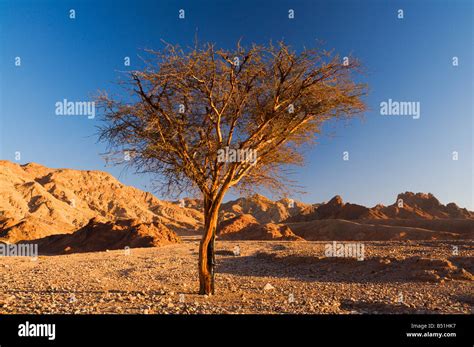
267 277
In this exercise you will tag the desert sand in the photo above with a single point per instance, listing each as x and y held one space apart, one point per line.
267 277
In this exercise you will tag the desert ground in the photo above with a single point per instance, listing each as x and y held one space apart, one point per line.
271 277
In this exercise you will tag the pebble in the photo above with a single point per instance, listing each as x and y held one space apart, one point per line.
268 286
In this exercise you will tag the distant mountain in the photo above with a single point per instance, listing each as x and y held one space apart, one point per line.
246 227
412 217
407 206
100 235
263 209
36 201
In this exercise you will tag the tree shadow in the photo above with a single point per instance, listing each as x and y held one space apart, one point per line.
348 270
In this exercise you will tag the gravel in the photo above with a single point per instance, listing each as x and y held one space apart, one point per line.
394 277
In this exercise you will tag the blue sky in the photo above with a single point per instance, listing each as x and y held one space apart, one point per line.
407 59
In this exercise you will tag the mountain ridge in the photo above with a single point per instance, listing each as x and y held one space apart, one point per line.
38 202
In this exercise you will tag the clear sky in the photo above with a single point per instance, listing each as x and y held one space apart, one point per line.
409 59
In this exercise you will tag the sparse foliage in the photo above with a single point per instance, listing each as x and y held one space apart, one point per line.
187 104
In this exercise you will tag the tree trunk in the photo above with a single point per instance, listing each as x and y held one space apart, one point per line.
206 249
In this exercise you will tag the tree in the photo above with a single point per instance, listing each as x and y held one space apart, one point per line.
214 119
